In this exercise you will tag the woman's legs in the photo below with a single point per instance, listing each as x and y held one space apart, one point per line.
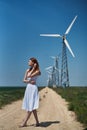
28 116
36 117
26 119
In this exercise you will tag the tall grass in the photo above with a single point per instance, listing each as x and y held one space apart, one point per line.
77 98
10 94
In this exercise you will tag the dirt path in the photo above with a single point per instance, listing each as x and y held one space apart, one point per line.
52 113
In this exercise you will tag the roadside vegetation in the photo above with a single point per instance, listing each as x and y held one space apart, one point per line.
77 98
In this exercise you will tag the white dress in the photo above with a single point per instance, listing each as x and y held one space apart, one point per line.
31 96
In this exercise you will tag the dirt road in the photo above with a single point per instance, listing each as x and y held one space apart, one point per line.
53 114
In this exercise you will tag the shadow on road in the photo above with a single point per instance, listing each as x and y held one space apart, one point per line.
85 129
48 123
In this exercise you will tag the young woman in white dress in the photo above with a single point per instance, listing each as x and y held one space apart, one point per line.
31 96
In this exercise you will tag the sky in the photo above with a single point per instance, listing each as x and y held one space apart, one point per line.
22 22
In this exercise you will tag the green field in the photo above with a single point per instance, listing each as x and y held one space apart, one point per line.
77 98
10 94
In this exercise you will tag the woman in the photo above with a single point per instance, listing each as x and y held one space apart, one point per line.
31 97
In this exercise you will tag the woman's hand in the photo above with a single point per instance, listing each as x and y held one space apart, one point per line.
31 81
34 66
26 81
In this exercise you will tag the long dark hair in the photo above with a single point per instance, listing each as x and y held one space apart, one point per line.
34 60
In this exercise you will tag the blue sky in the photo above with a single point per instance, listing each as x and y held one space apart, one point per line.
22 21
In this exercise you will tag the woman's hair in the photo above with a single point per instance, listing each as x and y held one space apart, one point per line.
34 60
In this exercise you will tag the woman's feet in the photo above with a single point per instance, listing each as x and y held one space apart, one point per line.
23 125
38 124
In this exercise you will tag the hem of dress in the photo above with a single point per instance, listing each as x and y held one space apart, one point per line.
29 110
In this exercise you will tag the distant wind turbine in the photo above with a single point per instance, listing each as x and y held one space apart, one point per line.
64 36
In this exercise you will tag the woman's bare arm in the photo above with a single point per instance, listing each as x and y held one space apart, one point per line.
35 73
25 77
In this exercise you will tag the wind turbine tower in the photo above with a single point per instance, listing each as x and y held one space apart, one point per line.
56 65
52 79
64 67
49 80
53 76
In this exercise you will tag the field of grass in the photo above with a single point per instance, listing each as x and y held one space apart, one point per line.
77 98
10 94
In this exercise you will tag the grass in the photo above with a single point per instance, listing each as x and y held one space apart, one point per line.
77 98
10 94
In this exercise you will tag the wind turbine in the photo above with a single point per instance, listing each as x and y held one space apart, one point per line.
49 79
64 55
56 64
51 70
64 36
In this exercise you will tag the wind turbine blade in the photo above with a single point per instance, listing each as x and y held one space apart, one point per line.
67 44
49 72
51 35
53 57
48 67
68 30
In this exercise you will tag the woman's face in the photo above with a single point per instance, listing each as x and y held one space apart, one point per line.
30 63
